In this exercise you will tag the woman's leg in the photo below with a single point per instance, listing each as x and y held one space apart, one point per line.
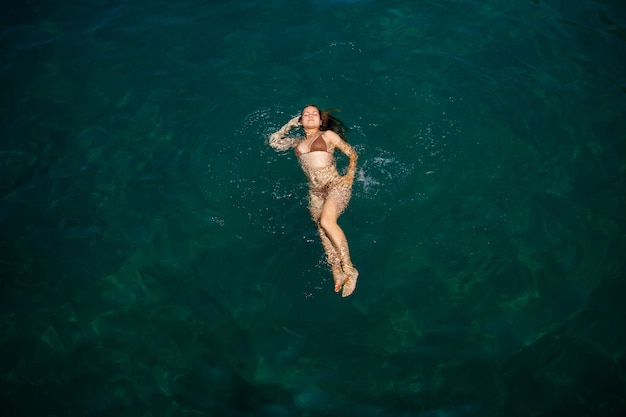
328 223
316 204
333 259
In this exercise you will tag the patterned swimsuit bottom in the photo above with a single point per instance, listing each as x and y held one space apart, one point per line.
326 183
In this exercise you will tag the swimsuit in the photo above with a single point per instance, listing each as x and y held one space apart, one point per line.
325 182
318 144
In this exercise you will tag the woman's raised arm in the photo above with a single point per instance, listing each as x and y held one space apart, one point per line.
278 139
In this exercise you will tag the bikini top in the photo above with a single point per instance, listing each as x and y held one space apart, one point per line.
318 144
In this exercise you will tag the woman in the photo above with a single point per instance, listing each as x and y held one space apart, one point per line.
329 193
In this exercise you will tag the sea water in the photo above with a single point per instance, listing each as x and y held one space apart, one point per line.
158 258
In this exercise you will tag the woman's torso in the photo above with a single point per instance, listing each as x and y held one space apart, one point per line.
315 152
316 155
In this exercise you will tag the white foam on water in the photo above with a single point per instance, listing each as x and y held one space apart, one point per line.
378 175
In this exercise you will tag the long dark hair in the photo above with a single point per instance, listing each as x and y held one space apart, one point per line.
330 122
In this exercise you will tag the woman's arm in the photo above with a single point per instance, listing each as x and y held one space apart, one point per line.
348 150
279 141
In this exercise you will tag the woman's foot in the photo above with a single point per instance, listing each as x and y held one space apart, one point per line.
349 283
339 277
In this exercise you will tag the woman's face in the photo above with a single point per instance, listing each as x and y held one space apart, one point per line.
310 118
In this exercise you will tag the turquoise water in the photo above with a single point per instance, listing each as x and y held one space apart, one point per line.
158 258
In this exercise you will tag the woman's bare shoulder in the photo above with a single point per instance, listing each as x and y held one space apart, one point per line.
331 136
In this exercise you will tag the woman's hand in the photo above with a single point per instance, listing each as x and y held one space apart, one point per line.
282 132
294 122
348 179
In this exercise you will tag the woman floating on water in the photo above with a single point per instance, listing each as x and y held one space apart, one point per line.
329 193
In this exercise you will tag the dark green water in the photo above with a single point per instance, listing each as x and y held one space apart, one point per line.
157 257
